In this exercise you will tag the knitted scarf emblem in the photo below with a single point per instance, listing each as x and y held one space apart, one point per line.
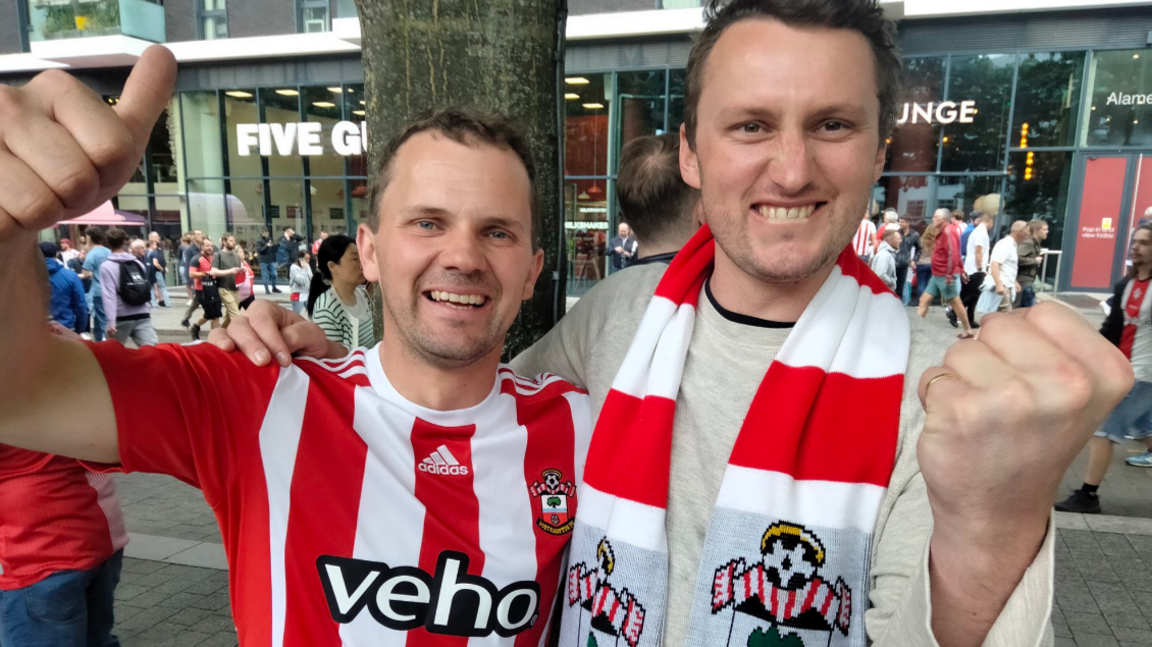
787 555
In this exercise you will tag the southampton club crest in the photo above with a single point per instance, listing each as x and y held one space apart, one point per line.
615 612
784 588
555 497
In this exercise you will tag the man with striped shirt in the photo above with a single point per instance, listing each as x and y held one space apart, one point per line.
416 493
1129 327
865 238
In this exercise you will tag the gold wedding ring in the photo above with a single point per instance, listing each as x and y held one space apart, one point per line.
935 380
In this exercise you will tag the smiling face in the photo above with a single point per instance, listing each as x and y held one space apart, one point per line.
455 243
787 146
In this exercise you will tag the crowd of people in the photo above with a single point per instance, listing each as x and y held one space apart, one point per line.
687 466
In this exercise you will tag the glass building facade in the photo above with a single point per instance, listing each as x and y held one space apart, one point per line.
1006 132
1057 135
246 159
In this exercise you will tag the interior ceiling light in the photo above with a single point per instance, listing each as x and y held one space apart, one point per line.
239 94
323 104
288 93
358 113
362 102
571 95
576 80
593 106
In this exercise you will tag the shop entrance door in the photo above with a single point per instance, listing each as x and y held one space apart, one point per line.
1115 191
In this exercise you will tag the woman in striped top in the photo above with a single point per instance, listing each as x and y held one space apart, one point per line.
338 301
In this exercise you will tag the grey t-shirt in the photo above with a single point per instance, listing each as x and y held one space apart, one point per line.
225 260
726 363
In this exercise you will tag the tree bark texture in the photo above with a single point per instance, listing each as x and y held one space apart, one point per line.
497 55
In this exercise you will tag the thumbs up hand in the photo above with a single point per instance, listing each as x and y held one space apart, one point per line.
64 151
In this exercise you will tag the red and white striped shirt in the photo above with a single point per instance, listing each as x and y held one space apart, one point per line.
351 516
864 239
1136 337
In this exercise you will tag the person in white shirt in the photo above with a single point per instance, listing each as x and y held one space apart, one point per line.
884 262
976 264
1000 287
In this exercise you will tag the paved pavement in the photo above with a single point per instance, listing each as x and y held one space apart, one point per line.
174 586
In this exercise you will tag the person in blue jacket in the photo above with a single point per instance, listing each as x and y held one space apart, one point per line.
68 306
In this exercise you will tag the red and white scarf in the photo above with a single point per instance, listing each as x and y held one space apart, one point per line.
788 547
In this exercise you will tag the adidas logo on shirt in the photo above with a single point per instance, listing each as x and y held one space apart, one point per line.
442 461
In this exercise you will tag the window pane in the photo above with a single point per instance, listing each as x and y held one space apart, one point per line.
641 104
241 121
282 107
586 233
586 124
1120 109
675 99
355 111
1043 193
360 205
287 197
160 149
323 105
328 207
206 206
245 209
214 5
200 116
907 194
985 80
912 147
964 192
1047 99
314 19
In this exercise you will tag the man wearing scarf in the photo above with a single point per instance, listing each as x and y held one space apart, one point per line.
761 467
782 456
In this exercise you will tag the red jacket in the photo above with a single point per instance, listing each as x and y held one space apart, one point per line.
946 260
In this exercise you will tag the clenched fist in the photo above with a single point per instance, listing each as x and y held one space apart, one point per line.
1005 416
63 150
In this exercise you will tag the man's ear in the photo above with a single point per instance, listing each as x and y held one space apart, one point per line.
366 243
689 164
537 266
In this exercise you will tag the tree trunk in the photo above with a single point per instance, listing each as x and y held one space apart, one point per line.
498 55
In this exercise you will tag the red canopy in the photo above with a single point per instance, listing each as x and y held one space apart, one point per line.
106 215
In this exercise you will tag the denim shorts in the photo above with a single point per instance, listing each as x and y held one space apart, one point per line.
938 287
1132 417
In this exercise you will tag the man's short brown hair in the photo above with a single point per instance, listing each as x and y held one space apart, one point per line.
863 16
656 202
465 126
116 238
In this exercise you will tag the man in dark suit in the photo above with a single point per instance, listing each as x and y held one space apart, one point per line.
622 248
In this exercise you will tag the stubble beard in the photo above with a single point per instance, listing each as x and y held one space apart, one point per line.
431 348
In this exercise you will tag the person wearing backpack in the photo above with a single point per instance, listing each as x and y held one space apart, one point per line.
126 293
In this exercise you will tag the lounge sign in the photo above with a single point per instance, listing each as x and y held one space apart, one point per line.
347 138
945 112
